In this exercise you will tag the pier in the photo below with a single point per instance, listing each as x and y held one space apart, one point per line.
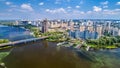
22 41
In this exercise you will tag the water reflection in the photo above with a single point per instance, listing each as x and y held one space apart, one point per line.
46 55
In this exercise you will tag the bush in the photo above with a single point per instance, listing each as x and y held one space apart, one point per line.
117 44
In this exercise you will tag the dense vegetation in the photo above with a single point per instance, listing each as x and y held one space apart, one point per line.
4 41
55 36
104 42
7 22
3 55
36 31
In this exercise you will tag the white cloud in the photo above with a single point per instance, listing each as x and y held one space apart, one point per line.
111 12
69 7
27 7
105 12
89 12
82 12
77 6
59 10
8 3
77 12
47 10
104 3
97 9
105 6
61 1
118 3
117 10
41 3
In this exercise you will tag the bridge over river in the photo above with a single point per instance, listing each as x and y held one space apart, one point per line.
22 41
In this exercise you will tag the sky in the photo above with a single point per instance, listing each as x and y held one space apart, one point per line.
59 9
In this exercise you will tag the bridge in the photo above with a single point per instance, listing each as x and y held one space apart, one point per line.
22 41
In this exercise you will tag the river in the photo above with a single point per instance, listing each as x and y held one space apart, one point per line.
14 33
44 54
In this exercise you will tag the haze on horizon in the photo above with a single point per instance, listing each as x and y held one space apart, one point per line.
60 9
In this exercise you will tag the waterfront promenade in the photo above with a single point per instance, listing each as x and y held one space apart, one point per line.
22 41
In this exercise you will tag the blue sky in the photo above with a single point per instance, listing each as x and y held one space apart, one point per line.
60 9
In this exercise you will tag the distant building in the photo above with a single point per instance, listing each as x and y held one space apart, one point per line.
24 22
119 32
86 30
44 26
16 23
115 31
83 34
99 29
77 28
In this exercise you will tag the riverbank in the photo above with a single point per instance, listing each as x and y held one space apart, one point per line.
2 56
4 41
103 42
108 42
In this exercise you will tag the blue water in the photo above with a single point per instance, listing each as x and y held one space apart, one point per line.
14 33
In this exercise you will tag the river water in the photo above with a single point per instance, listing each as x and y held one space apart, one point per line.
14 33
44 54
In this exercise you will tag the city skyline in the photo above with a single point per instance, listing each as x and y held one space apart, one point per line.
60 9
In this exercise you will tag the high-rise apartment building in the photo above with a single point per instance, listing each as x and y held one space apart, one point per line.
44 26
